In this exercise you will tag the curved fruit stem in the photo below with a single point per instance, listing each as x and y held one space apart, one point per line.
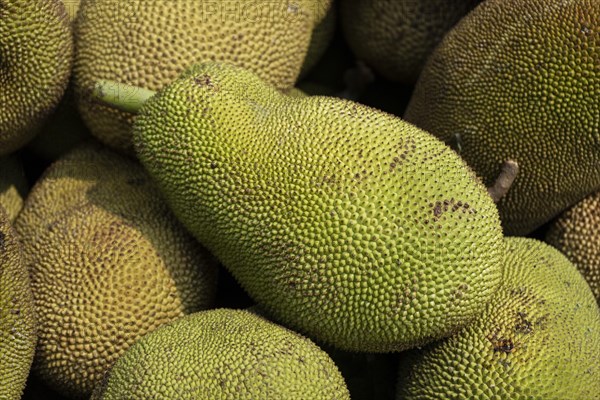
505 179
123 97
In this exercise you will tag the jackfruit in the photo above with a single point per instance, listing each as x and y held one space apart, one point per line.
36 51
17 318
345 223
539 338
149 43
108 263
223 354
13 186
395 37
519 80
576 233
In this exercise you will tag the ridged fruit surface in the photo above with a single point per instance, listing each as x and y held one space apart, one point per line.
108 263
539 338
223 354
346 223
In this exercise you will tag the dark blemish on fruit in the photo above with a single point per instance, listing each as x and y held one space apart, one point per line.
213 165
205 80
523 326
452 205
502 344
437 210
586 30
2 241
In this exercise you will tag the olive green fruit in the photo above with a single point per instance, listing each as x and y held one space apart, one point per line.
519 80
347 224
149 43
36 52
395 37
223 354
538 338
108 263
576 233
13 186
17 318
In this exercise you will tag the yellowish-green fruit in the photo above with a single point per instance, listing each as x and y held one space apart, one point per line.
36 51
520 80
223 354
108 262
17 318
539 338
149 43
344 222
395 37
576 233
13 186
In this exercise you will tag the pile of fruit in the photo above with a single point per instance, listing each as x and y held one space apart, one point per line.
299 199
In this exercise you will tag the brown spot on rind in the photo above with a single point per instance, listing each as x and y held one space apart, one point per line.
205 81
502 344
524 326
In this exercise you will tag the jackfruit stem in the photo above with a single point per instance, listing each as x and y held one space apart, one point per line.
120 96
505 179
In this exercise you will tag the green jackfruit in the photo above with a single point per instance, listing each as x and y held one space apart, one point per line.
345 223
13 186
223 354
520 80
36 51
395 37
576 233
108 262
17 318
149 43
539 338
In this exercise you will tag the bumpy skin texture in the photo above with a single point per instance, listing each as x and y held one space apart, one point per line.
17 318
223 354
13 186
539 338
36 53
149 43
108 263
519 79
346 223
576 233
395 37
